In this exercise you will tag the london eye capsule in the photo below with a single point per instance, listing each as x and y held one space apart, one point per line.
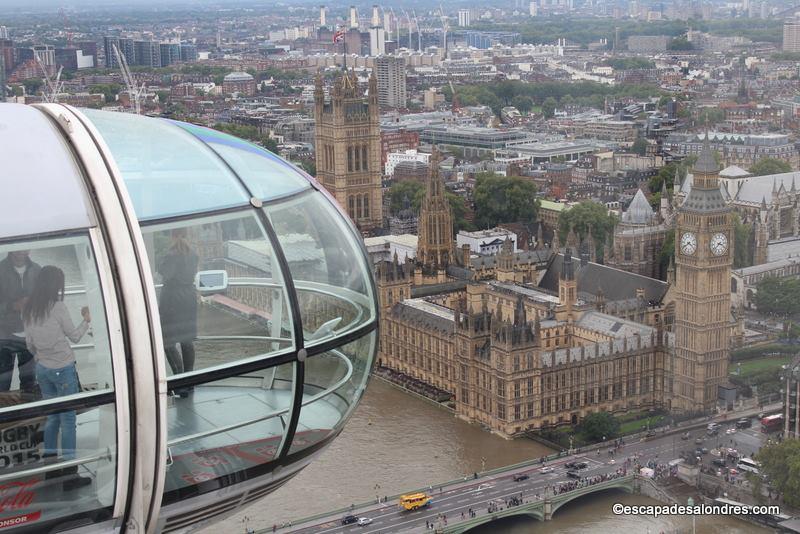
186 320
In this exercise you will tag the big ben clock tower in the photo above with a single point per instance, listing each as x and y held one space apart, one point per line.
703 257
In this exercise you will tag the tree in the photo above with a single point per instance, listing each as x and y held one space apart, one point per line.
523 103
599 425
412 189
680 43
587 215
504 199
639 146
108 90
766 166
549 107
32 85
778 297
781 463
667 251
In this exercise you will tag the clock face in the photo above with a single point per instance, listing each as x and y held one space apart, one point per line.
719 244
688 244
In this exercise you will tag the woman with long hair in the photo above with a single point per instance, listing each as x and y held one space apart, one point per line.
48 332
178 303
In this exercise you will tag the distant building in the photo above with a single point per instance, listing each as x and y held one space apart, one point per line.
639 237
735 149
463 18
239 82
189 52
125 46
391 74
170 53
147 53
347 146
648 43
395 158
791 35
397 141
791 402
487 242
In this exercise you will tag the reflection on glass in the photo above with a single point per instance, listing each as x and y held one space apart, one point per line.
178 304
334 383
266 175
20 270
221 296
227 426
45 499
18 275
327 265
167 171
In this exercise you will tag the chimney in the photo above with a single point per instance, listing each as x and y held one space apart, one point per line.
376 18
353 17
322 21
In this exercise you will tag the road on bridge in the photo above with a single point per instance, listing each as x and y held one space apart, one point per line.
476 494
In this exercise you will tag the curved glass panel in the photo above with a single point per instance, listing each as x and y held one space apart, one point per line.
226 427
39 194
47 494
334 383
167 171
222 299
58 468
87 345
328 266
266 175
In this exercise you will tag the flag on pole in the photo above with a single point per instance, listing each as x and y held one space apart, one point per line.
338 36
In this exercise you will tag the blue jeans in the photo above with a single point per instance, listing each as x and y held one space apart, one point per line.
57 383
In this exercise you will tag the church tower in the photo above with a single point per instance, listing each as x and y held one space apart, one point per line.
436 249
703 258
348 148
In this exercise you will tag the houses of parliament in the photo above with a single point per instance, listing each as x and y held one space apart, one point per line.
529 340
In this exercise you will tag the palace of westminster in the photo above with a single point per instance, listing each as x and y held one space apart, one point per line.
527 340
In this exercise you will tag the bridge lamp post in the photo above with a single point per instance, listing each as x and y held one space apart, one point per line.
570 444
690 502
483 464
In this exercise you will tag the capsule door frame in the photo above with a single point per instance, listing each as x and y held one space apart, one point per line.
142 392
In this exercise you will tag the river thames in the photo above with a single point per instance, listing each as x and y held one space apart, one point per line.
395 442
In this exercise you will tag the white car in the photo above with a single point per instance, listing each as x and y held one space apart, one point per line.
731 431
547 469
484 486
364 521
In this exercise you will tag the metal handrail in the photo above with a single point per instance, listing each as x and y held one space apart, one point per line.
52 467
219 430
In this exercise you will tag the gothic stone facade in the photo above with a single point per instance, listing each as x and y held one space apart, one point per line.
348 149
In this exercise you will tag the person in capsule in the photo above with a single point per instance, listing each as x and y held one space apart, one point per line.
178 303
17 277
49 329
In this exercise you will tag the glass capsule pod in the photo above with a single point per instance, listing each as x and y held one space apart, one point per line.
186 320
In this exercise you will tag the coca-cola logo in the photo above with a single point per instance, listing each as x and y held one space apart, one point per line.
17 495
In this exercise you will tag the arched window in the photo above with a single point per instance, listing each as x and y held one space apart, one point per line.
358 158
358 206
351 210
734 285
364 158
366 205
350 159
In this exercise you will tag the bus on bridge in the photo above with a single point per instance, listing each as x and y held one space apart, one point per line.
412 501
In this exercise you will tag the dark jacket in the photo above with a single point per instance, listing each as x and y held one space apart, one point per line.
178 302
12 288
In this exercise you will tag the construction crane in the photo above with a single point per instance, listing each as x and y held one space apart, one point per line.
53 86
134 92
408 25
454 104
445 27
65 18
419 33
